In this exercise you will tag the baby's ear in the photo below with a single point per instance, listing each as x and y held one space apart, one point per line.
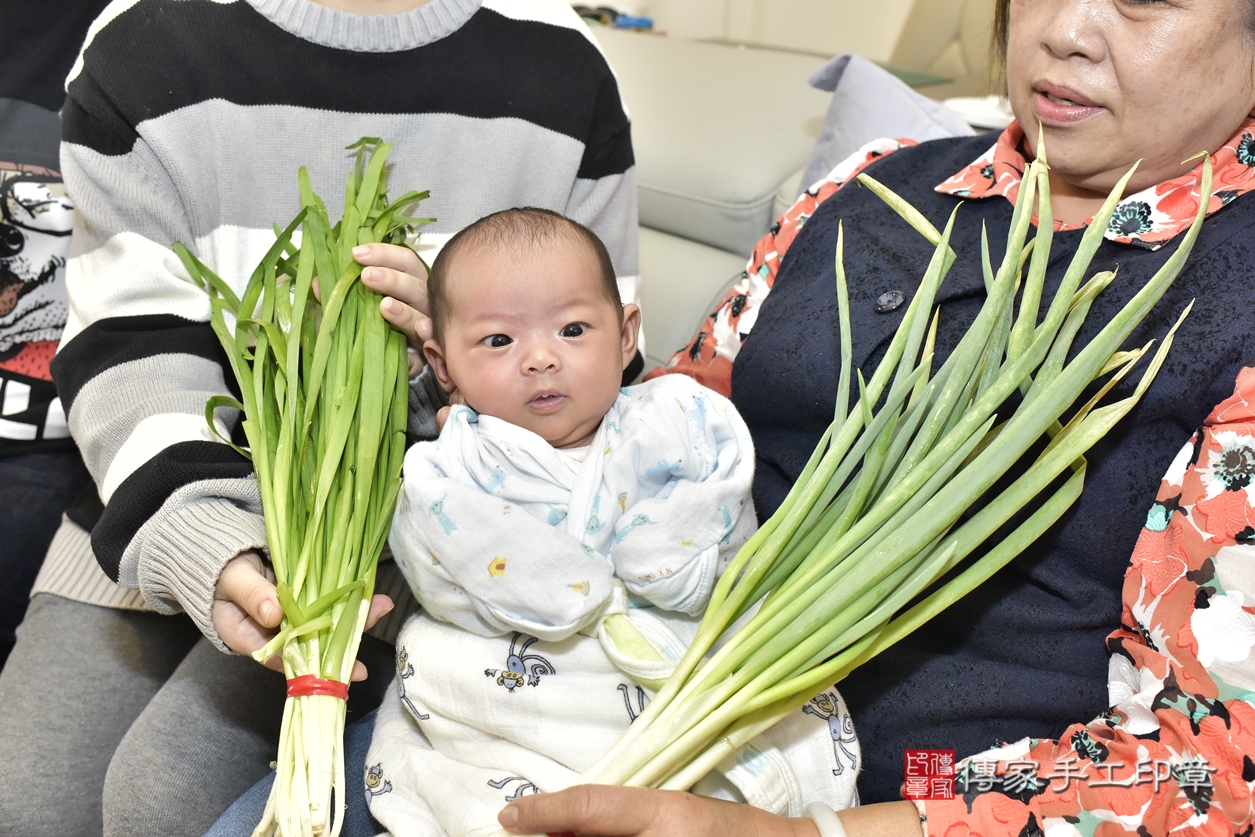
631 329
435 359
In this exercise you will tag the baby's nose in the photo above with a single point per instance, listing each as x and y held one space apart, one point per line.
542 358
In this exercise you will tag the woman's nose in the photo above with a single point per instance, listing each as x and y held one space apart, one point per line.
1075 27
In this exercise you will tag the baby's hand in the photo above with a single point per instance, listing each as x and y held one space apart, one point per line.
399 274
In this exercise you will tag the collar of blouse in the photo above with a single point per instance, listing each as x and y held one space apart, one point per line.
1148 218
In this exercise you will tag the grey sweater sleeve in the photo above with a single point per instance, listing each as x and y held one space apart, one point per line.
148 164
426 399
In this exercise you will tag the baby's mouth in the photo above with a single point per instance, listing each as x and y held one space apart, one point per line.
546 401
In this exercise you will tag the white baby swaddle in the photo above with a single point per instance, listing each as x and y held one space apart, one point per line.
508 682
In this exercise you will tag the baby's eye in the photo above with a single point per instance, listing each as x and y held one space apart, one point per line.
497 341
573 330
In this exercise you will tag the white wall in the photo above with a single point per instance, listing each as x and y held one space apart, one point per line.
947 38
827 27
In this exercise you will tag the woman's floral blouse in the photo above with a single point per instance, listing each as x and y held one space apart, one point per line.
1148 219
1174 754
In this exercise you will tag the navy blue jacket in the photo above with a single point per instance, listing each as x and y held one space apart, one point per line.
1024 655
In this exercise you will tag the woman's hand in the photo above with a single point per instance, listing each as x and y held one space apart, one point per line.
399 274
607 811
246 611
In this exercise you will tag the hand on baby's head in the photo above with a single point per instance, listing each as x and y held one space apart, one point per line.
528 325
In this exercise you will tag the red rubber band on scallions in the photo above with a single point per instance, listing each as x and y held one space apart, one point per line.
308 684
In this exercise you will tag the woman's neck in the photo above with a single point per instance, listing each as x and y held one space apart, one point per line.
372 7
1072 204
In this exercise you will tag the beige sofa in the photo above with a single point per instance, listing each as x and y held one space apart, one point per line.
721 135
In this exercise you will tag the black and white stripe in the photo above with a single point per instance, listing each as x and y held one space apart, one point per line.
186 121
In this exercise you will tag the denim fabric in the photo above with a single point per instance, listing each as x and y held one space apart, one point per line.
35 488
242 817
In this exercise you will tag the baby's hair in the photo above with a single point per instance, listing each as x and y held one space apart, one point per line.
510 228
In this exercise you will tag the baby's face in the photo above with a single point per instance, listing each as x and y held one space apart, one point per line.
531 339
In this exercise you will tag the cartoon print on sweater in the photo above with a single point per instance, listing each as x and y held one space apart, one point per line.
405 670
633 714
376 784
520 665
35 219
523 787
34 235
840 727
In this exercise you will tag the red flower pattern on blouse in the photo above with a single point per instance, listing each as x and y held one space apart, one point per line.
1174 753
1148 219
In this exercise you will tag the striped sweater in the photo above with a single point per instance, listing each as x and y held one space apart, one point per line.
186 120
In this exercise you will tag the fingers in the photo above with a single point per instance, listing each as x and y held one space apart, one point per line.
442 415
380 606
605 811
245 582
406 319
239 632
405 288
246 611
395 272
392 256
600 810
399 274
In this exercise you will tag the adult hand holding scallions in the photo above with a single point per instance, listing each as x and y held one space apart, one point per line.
246 612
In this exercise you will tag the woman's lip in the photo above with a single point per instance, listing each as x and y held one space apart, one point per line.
546 402
1058 91
1048 107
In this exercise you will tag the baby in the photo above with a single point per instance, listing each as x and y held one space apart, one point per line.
563 536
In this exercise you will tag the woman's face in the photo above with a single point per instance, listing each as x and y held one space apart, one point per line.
1114 81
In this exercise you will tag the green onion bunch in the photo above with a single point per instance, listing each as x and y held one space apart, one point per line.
324 394
904 487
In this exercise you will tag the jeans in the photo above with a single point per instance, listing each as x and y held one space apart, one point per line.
242 817
35 488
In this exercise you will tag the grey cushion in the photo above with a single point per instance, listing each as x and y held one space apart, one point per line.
869 103
716 130
682 282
